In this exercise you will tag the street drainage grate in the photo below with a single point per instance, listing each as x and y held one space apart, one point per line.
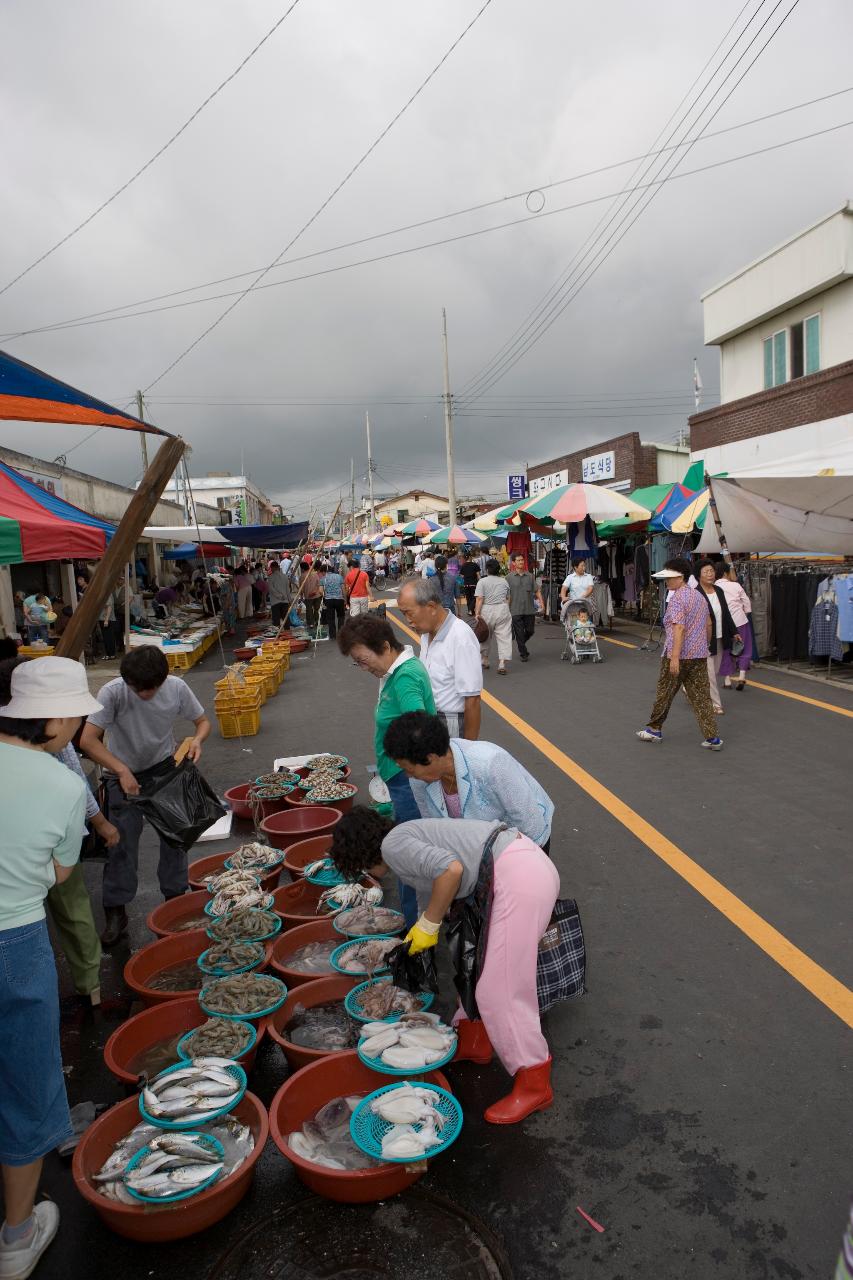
317 1239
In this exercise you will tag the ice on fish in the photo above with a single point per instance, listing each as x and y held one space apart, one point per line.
322 1026
325 1139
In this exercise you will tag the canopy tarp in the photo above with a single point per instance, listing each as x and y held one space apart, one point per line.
652 496
778 513
37 525
194 550
28 395
234 535
682 513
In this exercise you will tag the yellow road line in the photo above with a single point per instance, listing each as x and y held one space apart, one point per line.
823 986
801 697
623 644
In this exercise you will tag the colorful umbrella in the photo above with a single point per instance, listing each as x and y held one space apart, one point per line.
457 535
688 514
419 528
572 503
37 525
489 520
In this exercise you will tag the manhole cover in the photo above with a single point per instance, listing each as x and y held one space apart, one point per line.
416 1234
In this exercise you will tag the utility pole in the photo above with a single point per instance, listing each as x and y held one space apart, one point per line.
370 470
352 496
143 439
448 426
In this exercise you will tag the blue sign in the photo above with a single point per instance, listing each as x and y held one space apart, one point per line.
516 488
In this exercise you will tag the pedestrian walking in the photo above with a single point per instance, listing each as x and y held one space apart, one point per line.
243 587
357 589
404 685
448 585
280 593
312 594
514 886
685 657
737 657
523 595
333 597
491 603
722 630
43 809
469 574
451 655
452 778
228 605
137 713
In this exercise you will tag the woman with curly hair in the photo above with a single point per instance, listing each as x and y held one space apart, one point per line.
446 863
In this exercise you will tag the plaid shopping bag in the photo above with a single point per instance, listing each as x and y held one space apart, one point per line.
561 963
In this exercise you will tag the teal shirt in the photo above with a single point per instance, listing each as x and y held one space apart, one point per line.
43 806
406 688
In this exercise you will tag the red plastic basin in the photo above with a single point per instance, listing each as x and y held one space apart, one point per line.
147 1222
320 991
302 1096
215 862
291 940
159 1022
296 903
175 949
169 917
297 646
285 829
296 800
238 799
304 851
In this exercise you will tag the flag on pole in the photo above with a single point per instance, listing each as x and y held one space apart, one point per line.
697 384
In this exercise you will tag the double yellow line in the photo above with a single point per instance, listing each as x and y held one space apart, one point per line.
821 984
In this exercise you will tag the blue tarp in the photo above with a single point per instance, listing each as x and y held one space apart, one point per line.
264 535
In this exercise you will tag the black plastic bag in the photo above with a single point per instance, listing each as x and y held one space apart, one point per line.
413 973
177 801
463 932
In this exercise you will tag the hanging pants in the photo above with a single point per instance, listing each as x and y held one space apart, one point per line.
693 675
71 914
526 886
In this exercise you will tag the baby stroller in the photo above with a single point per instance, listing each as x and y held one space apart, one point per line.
581 639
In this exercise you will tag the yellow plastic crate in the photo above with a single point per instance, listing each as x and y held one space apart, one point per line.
269 668
180 661
258 681
242 722
238 695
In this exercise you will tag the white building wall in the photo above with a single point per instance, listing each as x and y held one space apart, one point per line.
810 449
742 357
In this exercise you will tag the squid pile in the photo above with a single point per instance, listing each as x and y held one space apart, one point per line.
416 1042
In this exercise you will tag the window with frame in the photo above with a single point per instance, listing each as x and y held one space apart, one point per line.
775 359
805 346
403 516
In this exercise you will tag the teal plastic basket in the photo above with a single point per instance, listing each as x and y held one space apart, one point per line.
245 1016
376 1064
367 1130
230 973
185 1048
352 1002
338 953
263 938
328 876
266 905
341 928
283 775
182 1126
204 1139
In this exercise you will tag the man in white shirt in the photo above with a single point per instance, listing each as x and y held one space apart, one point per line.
451 654
428 566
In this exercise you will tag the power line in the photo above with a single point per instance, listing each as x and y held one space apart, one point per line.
467 235
501 365
425 222
383 134
157 154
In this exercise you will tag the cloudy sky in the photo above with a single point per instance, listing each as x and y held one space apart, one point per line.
535 93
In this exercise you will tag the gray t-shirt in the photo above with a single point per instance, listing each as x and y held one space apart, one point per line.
521 588
418 852
139 732
492 590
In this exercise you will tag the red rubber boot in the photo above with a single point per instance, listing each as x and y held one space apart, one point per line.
473 1044
531 1091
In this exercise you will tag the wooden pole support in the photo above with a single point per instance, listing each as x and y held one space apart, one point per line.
72 642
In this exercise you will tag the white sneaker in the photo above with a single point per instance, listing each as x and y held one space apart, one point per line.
19 1261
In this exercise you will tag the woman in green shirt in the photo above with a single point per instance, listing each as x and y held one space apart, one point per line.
404 685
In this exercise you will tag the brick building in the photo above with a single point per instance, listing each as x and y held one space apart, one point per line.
784 326
622 463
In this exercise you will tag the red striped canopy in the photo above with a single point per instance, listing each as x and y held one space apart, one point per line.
37 525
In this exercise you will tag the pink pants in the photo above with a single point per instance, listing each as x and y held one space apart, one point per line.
526 888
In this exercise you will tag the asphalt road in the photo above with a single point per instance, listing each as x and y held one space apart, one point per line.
702 1113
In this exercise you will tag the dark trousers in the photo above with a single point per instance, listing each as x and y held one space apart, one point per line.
335 615
312 612
523 627
279 612
120 871
470 597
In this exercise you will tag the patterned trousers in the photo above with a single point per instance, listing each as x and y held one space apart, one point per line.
693 675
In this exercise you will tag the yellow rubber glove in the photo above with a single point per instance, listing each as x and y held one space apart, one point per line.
422 936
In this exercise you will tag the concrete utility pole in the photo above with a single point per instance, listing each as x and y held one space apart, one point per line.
143 439
370 471
352 496
448 426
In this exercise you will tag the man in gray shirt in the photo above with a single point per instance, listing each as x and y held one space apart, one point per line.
281 593
138 716
522 593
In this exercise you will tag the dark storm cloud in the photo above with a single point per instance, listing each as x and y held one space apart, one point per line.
535 93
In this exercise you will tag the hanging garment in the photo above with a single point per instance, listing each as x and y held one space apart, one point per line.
641 564
629 595
823 631
843 587
602 604
519 542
